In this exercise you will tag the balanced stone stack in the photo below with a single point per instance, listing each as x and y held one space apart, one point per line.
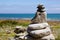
20 33
39 29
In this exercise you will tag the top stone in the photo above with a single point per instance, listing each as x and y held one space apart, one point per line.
40 8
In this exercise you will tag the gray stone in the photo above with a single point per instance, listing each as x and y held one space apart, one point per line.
39 17
49 37
38 26
19 29
8 31
40 7
40 33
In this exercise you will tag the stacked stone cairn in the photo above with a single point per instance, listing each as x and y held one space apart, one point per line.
39 29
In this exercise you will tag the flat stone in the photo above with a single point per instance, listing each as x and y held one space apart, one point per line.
38 26
40 33
49 37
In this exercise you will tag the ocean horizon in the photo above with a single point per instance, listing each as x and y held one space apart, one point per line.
50 16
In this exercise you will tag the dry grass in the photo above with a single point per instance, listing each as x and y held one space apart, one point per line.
10 25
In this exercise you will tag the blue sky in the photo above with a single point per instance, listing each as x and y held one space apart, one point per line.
28 6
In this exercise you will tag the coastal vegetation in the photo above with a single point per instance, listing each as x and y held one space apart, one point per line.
7 28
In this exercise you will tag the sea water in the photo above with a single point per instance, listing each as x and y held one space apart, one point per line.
50 16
